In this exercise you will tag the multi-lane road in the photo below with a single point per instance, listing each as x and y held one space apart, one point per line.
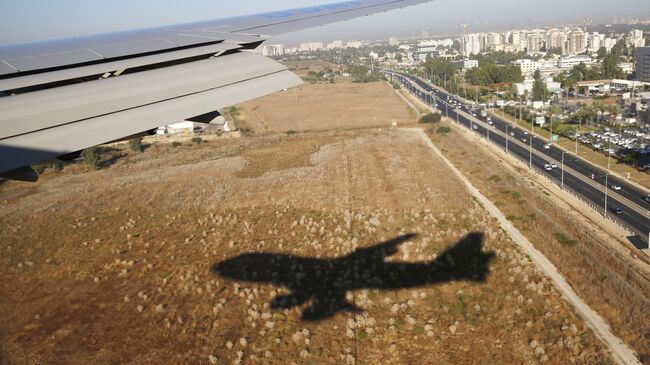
594 185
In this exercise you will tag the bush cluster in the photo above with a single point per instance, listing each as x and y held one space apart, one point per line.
431 118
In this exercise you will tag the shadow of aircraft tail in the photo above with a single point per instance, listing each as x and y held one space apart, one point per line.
325 282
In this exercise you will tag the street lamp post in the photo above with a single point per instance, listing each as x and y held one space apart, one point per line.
506 138
606 192
563 153
609 155
530 161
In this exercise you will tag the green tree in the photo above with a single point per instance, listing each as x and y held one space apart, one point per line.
441 68
91 157
539 90
554 51
135 144
610 69
431 118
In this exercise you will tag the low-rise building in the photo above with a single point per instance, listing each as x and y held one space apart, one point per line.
467 64
528 67
571 61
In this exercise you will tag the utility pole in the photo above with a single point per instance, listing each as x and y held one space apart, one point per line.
532 133
609 155
506 138
563 153
530 161
606 192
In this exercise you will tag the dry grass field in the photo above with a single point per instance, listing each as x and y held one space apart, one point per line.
348 247
614 288
324 106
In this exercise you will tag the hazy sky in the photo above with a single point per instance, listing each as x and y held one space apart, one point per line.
31 20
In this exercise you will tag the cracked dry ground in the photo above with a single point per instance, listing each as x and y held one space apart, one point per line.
118 266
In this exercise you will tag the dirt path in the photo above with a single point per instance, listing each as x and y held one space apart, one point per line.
620 351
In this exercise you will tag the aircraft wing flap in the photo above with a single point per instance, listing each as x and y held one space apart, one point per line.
102 68
45 144
69 104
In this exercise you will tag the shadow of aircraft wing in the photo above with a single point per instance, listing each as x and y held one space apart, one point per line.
383 250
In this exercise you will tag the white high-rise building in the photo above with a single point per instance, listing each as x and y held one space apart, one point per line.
557 39
635 38
517 40
595 41
335 45
311 46
354 44
273 50
393 41
472 44
493 39
576 41
536 40
609 43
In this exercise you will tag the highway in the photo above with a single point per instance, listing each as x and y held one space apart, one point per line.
580 177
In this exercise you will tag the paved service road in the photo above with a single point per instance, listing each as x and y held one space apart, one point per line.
579 176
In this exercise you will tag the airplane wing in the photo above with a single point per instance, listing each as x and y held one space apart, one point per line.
60 97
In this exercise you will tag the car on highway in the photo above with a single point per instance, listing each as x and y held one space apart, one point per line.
512 134
547 146
553 165
647 198
617 210
548 167
524 140
615 187
475 127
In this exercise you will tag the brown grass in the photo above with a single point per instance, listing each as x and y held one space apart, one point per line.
114 266
320 107
606 281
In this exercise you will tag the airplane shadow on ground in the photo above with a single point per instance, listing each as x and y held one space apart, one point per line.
326 281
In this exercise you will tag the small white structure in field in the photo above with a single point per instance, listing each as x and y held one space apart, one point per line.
181 127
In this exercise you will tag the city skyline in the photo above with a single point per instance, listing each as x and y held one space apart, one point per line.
30 20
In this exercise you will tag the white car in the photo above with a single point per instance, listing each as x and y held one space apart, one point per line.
615 187
548 167
475 127
547 146
553 165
